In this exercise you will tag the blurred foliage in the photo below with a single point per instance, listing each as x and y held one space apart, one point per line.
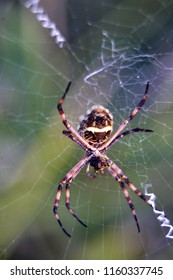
35 155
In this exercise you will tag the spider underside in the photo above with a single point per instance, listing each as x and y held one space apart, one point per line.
93 135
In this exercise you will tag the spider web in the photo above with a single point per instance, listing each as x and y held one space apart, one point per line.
109 49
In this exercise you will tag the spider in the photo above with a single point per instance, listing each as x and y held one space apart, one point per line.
92 135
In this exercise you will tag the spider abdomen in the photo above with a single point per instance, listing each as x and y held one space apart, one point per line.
96 126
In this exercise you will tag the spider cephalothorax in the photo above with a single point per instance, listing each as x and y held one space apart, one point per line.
96 126
93 136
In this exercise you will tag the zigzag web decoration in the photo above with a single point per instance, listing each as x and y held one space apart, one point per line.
161 214
45 21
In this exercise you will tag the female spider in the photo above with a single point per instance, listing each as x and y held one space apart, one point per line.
92 135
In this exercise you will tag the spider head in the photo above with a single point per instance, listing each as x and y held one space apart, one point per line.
96 126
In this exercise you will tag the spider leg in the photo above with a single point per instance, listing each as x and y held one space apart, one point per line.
88 172
120 174
80 140
67 203
67 179
125 122
112 171
59 107
70 135
131 131
56 204
135 190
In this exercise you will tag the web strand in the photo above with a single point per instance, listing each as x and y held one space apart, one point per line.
114 48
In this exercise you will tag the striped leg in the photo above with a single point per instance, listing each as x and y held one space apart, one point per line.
125 122
126 194
78 138
56 204
59 107
121 175
70 135
135 190
67 203
131 131
67 180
